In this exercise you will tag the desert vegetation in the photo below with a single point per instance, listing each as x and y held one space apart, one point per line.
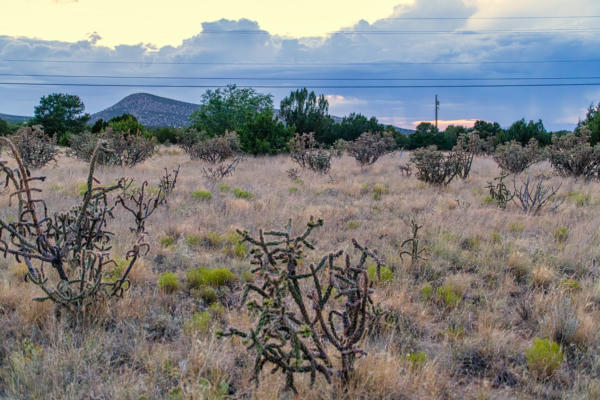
155 281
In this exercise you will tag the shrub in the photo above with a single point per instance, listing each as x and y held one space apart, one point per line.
309 154
168 282
216 277
572 155
427 292
369 147
417 359
448 296
543 357
242 194
35 147
199 322
222 153
385 271
561 234
120 149
201 195
353 224
570 285
514 158
499 193
433 166
224 188
378 191
193 240
465 150
167 241
294 317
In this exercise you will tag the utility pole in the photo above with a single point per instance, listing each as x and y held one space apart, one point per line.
437 107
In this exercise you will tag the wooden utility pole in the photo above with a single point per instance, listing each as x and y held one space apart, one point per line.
437 107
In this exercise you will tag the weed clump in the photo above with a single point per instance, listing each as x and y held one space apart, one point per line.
168 282
242 194
201 195
543 357
216 277
386 273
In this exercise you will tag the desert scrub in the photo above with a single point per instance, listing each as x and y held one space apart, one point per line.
386 273
427 292
416 360
578 198
167 241
516 227
168 282
242 194
234 246
353 225
378 191
448 296
193 240
543 357
561 234
198 323
518 266
224 188
216 277
201 195
570 285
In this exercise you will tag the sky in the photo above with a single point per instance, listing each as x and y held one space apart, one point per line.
318 44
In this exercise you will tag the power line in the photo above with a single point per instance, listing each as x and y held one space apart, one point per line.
297 79
297 86
276 64
494 18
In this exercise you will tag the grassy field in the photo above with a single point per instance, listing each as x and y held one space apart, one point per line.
461 326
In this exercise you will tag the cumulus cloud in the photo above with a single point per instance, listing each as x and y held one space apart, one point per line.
257 54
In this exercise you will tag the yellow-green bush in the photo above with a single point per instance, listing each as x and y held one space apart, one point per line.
224 188
167 241
353 224
417 359
199 322
386 273
427 292
242 194
201 195
168 282
448 296
216 277
543 357
561 234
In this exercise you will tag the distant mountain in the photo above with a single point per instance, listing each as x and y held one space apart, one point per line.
14 119
150 110
155 111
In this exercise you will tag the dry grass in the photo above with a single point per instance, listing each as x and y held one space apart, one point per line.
513 279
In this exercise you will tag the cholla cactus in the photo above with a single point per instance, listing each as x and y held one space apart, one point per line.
514 158
572 155
433 166
465 150
296 317
369 147
35 147
310 154
67 254
119 149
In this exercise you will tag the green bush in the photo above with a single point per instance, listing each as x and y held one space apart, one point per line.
234 246
427 292
199 322
168 282
516 227
353 224
379 191
216 277
417 359
201 195
580 199
570 285
448 296
242 194
386 273
167 241
206 293
193 240
561 234
544 357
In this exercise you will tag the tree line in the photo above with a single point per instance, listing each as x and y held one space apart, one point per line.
262 129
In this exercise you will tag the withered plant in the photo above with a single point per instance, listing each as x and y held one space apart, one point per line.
296 308
35 147
533 196
142 202
369 147
465 150
68 253
415 250
122 149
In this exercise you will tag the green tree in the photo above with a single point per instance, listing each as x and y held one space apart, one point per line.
352 126
592 122
307 112
60 113
126 123
4 128
486 129
229 109
265 134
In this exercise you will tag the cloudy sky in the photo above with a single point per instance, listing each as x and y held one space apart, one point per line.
333 46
